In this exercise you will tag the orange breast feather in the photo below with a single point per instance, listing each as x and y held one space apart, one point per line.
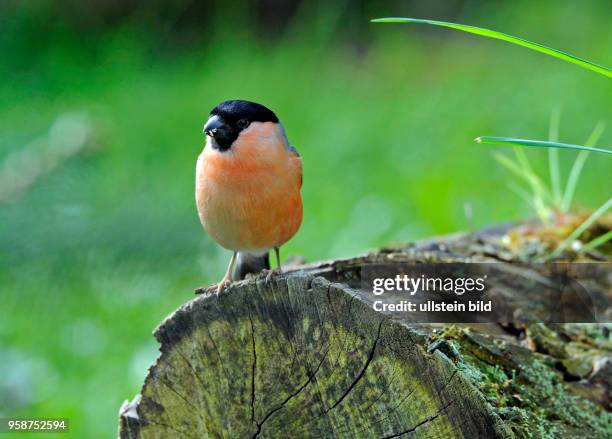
248 197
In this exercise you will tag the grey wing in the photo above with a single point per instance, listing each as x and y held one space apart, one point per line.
294 150
297 156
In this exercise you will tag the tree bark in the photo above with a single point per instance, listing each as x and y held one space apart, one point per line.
307 356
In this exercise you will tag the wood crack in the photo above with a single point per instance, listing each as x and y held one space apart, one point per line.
217 351
362 372
449 380
315 346
291 396
182 397
391 412
420 424
253 369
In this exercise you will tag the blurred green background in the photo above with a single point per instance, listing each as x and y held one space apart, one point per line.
101 111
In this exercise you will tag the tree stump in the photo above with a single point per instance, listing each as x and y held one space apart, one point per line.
307 356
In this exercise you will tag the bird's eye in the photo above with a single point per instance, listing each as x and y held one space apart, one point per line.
243 123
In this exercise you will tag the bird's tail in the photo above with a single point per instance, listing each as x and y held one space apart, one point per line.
250 263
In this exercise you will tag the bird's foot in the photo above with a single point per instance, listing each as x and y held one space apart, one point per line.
205 290
214 288
267 275
223 285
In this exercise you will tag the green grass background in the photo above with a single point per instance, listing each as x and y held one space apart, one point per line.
96 253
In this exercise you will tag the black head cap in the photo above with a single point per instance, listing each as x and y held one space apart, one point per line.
233 111
230 117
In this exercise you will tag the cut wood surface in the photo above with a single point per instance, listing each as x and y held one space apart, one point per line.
307 356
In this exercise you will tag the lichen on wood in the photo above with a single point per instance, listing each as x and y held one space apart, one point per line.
303 358
307 356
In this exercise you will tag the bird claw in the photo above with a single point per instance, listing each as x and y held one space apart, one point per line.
267 275
223 285
206 290
214 288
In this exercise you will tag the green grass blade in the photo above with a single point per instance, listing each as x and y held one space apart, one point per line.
510 141
522 194
553 156
515 168
599 241
523 161
537 189
581 228
510 165
572 180
505 37
523 172
576 170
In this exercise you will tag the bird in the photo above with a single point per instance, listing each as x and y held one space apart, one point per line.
248 187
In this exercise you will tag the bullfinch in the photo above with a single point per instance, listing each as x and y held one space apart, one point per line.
248 182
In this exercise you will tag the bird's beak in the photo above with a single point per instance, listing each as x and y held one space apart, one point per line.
222 134
214 126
